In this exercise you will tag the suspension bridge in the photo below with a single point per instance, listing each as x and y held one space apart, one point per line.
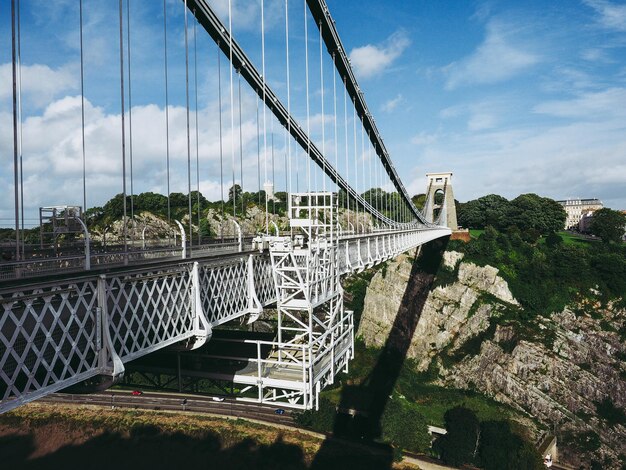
74 314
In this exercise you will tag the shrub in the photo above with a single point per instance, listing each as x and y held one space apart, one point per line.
460 444
404 426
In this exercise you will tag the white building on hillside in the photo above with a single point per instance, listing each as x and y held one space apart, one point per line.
576 207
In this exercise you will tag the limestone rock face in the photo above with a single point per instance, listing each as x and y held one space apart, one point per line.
452 258
558 376
155 228
385 292
485 279
253 222
446 313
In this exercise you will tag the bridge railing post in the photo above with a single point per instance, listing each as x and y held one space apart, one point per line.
201 326
87 244
183 237
254 305
239 235
107 352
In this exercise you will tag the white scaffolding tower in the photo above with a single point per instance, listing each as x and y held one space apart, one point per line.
311 315
315 334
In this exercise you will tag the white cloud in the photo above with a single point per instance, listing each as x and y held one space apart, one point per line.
595 55
52 153
495 60
480 115
481 121
603 105
392 104
424 138
40 83
611 16
371 60
451 112
579 159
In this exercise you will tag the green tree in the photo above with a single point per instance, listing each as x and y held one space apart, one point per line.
178 200
419 200
151 202
501 449
532 213
114 208
374 196
553 240
405 427
234 192
610 268
487 210
608 224
460 444
194 198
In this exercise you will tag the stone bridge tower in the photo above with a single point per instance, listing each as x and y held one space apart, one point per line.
440 196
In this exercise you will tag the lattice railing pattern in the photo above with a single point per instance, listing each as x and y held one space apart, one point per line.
224 290
49 337
149 311
264 280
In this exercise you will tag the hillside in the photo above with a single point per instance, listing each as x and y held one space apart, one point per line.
43 436
564 368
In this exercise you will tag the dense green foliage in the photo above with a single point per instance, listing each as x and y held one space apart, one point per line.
321 420
491 444
610 413
609 225
533 215
546 276
460 444
414 405
502 449
405 426
487 210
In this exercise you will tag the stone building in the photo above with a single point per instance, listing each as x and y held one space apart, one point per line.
576 207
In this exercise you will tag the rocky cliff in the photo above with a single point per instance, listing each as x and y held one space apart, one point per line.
567 370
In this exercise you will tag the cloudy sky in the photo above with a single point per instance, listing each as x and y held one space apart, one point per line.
512 97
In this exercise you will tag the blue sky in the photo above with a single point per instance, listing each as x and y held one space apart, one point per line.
512 97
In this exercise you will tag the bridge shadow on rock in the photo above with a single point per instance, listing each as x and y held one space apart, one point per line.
148 447
361 407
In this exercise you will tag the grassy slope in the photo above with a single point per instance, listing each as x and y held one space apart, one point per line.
58 436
